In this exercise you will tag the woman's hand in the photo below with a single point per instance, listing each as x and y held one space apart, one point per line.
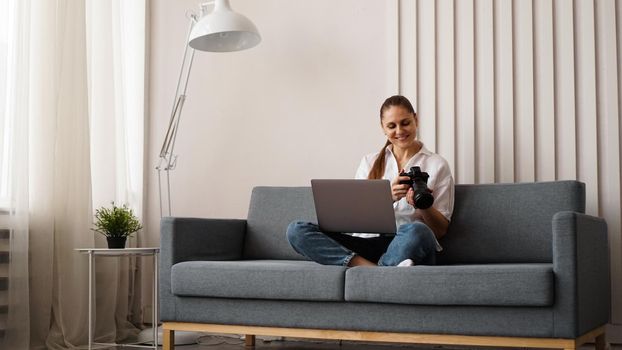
410 197
399 191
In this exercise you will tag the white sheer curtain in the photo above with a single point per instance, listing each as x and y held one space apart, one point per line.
116 61
13 164
71 112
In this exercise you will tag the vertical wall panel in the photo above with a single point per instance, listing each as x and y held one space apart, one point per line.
426 71
585 68
609 134
465 92
544 93
392 45
524 90
524 161
564 90
616 251
484 91
408 50
445 88
504 93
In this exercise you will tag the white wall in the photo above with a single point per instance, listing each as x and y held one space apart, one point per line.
506 91
302 104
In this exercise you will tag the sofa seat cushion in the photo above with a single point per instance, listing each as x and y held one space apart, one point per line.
259 279
489 285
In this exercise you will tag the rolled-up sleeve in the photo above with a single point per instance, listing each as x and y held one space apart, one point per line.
363 170
444 191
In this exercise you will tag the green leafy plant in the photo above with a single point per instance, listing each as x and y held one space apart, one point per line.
116 221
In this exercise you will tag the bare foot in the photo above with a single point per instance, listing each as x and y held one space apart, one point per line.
358 260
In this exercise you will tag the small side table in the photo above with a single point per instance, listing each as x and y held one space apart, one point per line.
104 252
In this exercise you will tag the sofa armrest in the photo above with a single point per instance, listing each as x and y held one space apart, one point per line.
183 239
581 266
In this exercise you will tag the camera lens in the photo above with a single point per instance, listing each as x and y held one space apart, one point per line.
423 199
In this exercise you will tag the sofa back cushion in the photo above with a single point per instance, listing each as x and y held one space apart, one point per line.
507 223
492 223
271 210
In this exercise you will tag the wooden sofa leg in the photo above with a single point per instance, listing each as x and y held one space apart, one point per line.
601 344
168 339
249 340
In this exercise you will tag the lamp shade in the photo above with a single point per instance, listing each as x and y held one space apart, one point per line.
223 30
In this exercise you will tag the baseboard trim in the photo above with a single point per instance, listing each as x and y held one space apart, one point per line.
388 337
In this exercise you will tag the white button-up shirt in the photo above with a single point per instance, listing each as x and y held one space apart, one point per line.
441 182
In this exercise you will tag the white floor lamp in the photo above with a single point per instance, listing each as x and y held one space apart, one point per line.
221 30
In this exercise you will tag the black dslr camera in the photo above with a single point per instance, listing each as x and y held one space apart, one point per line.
419 182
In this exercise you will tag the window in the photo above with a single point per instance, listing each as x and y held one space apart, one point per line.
5 118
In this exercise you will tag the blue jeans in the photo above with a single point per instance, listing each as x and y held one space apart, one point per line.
412 241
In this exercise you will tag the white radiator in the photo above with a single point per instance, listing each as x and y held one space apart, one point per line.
5 235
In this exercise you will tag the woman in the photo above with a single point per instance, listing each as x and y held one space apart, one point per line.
416 240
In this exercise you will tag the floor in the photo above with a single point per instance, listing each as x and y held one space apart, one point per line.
213 342
218 343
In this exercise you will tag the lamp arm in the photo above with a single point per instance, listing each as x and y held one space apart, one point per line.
167 159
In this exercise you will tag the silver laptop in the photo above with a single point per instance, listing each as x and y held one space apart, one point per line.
357 206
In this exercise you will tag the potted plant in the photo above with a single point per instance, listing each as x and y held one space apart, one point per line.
116 223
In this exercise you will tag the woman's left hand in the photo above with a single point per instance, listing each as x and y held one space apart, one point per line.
410 197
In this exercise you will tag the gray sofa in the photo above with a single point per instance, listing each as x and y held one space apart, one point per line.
521 266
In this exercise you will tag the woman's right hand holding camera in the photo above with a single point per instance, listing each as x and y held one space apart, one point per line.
399 191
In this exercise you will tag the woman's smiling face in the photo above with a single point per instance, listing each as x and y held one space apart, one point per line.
400 126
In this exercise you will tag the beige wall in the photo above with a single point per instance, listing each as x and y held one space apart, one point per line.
506 91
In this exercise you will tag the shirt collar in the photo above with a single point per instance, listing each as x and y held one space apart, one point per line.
423 150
